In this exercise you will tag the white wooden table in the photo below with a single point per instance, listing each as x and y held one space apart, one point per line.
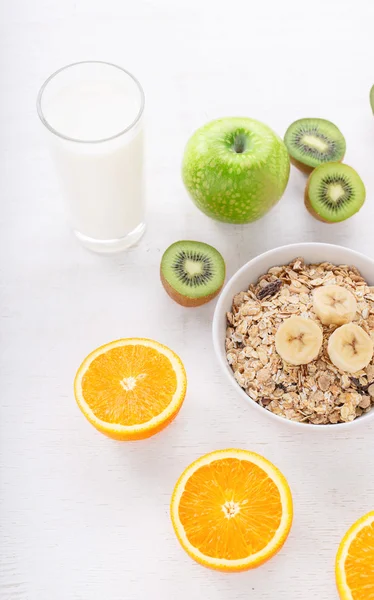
85 518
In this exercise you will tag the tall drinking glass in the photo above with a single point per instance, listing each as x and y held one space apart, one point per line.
93 114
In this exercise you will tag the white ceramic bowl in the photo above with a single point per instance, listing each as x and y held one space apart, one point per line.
249 273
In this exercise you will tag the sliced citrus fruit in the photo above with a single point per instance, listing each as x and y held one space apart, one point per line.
131 388
355 561
231 510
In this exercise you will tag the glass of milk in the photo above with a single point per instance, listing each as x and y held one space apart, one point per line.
93 114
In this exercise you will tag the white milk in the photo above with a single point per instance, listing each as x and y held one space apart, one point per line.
102 180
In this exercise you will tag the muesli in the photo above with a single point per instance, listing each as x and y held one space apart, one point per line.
318 392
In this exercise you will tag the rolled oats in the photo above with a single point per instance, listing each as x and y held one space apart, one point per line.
318 392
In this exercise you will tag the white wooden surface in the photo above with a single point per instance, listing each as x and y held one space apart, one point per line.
85 518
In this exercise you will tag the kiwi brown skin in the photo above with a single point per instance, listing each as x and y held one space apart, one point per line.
299 165
309 206
184 300
306 168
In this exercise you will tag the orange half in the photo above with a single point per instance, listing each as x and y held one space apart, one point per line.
232 510
131 388
355 561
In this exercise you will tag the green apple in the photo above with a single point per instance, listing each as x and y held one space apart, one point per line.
235 169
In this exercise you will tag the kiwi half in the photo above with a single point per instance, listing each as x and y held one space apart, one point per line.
192 273
372 98
334 192
312 142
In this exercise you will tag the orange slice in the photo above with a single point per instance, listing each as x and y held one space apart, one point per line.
355 561
231 510
130 389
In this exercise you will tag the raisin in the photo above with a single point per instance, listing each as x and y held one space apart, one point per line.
270 289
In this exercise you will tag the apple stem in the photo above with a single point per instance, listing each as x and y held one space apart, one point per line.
239 143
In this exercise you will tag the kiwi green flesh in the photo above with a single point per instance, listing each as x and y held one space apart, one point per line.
334 192
372 98
314 141
193 269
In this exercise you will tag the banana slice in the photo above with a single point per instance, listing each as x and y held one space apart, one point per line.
298 340
334 304
350 348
